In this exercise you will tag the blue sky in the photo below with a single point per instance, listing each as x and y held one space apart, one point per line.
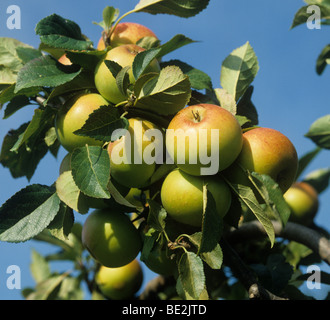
288 94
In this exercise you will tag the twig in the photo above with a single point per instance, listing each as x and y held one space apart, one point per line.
292 231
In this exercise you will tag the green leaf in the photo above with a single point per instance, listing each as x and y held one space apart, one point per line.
10 63
239 70
173 44
166 93
302 15
199 80
181 8
28 213
70 194
91 171
157 216
212 225
248 198
319 179
306 159
45 72
110 14
62 225
276 206
102 123
246 108
25 161
58 32
39 267
323 59
319 132
27 54
191 274
143 60
48 289
226 100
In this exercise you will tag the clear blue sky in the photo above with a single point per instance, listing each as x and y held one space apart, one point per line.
288 94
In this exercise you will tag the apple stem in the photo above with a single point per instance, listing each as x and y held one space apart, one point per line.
196 115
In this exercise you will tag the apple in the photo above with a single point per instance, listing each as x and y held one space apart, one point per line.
124 55
72 116
209 132
266 151
111 238
130 164
120 283
182 196
127 33
302 199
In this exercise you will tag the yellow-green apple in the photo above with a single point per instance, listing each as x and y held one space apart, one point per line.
203 139
182 196
120 283
111 238
266 151
134 156
123 55
127 33
72 116
303 201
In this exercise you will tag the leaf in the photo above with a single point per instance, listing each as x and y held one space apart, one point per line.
91 171
143 60
39 267
239 70
212 224
323 59
45 72
276 206
319 132
28 213
199 80
58 32
25 161
246 108
70 194
10 61
191 274
166 93
173 44
181 8
102 123
157 216
306 159
303 14
319 179
226 100
62 225
48 289
247 196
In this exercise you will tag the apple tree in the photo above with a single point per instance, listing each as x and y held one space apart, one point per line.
229 234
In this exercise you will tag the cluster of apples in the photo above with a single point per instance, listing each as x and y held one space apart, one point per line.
111 237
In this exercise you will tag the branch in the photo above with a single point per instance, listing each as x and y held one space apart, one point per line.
292 231
245 275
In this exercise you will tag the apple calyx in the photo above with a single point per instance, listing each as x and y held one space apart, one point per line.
196 115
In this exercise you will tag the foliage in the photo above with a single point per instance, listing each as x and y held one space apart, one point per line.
32 76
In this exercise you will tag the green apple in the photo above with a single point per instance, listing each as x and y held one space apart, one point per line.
120 283
132 165
182 196
302 199
266 151
72 116
111 238
124 55
207 132
127 33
